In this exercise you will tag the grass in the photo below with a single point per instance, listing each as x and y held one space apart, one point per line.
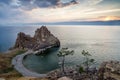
6 68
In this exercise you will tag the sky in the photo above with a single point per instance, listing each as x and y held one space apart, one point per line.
48 11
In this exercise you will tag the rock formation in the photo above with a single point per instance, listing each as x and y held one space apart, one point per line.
42 39
112 66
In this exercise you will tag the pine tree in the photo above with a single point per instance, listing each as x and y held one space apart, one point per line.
63 53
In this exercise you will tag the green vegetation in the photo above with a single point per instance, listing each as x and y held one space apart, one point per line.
81 69
82 72
63 53
6 68
86 64
20 52
88 61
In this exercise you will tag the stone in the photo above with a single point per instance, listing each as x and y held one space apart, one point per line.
24 41
65 78
42 39
2 79
113 66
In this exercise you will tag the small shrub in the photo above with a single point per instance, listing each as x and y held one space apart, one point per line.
81 69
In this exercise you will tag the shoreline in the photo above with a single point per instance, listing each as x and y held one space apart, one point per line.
18 65
17 61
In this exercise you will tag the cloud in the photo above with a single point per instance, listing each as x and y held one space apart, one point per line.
31 4
15 3
9 14
32 11
94 2
13 11
90 2
3 9
103 18
104 11
5 1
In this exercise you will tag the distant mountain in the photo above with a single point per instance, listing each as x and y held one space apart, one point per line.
114 22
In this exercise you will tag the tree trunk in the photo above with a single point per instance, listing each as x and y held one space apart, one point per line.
87 64
63 63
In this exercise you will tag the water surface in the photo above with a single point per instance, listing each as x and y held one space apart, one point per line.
103 42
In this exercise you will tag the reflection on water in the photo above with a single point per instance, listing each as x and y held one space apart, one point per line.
103 42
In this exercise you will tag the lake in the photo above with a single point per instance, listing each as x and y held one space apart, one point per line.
103 42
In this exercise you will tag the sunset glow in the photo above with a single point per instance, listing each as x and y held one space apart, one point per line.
30 11
108 19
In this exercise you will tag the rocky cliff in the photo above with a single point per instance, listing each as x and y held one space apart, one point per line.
42 38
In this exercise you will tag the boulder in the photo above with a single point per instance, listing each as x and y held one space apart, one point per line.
42 39
65 78
113 66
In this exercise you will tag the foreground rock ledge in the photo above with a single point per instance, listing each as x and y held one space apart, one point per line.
41 40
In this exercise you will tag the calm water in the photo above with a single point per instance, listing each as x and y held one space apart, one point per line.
103 42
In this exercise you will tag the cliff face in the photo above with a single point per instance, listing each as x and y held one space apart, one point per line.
42 34
42 38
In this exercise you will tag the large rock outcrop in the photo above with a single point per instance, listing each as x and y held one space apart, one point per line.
42 39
